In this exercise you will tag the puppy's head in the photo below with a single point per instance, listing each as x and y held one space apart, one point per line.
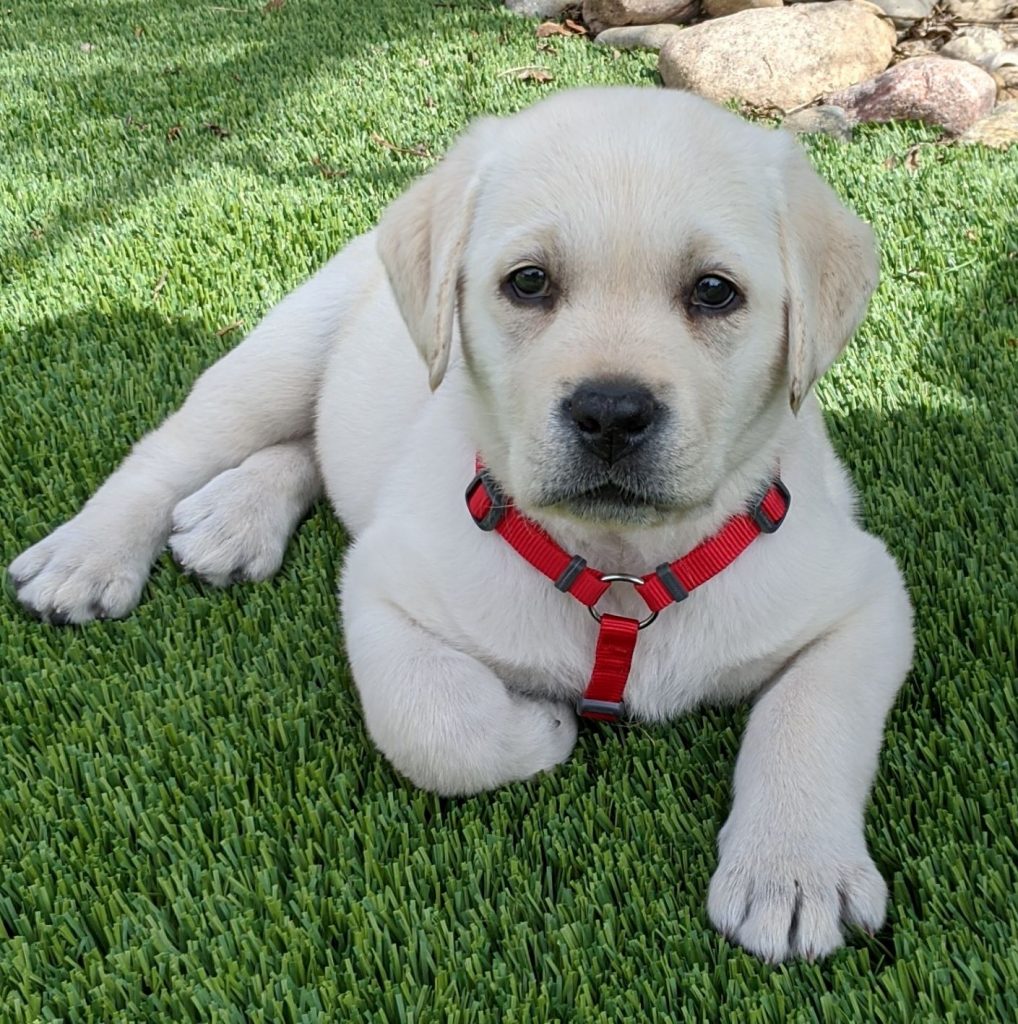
642 284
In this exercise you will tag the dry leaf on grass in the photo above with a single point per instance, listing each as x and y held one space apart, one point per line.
565 28
326 171
419 150
173 133
910 160
235 326
529 74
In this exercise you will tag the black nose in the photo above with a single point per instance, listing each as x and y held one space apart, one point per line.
612 417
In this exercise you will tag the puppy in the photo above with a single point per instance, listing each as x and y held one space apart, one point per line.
620 300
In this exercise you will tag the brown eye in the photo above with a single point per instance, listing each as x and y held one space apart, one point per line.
713 293
529 283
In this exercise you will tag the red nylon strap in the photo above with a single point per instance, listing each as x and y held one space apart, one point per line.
714 554
536 547
613 656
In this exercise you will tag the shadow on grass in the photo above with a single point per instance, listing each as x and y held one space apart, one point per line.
245 92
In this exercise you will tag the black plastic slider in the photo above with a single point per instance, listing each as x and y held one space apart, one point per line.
499 503
610 710
764 521
666 574
570 572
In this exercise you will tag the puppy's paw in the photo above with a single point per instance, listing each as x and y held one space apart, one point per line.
234 529
546 735
84 570
789 899
457 755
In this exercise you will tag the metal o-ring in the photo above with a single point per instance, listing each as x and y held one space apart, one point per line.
620 577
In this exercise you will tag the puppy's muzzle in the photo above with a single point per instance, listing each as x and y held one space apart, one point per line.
612 418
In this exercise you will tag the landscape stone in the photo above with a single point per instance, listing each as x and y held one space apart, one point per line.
998 129
538 8
973 44
904 12
602 14
780 57
631 37
951 94
823 119
981 10
722 8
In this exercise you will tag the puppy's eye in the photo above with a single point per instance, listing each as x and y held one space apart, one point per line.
529 283
713 293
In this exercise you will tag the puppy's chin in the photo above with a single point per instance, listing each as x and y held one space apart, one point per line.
606 505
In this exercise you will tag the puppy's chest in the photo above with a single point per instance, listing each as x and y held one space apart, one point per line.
691 652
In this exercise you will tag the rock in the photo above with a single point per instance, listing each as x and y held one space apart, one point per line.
904 12
998 129
1006 77
972 44
824 119
780 56
538 8
999 61
951 94
722 8
981 10
602 14
915 47
631 37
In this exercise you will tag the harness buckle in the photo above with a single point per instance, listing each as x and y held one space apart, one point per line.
499 502
621 577
764 521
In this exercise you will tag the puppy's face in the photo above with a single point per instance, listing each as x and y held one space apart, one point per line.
624 272
623 320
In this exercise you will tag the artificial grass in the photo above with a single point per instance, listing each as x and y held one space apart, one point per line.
193 823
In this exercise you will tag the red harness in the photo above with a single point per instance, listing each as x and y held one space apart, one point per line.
668 584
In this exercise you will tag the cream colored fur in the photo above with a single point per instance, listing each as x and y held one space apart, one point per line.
466 660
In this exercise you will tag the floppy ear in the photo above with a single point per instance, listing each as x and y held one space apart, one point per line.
831 269
421 239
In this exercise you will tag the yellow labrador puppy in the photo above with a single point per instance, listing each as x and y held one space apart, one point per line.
622 298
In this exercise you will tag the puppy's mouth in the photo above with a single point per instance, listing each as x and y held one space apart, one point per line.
607 503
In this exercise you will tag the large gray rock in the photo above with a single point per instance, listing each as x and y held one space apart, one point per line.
632 37
951 94
973 44
905 12
981 10
722 8
1006 77
998 129
780 56
824 120
538 8
602 14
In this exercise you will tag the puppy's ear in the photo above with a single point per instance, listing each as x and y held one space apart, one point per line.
831 269
421 239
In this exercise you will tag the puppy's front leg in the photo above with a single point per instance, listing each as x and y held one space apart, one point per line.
259 395
793 860
443 719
